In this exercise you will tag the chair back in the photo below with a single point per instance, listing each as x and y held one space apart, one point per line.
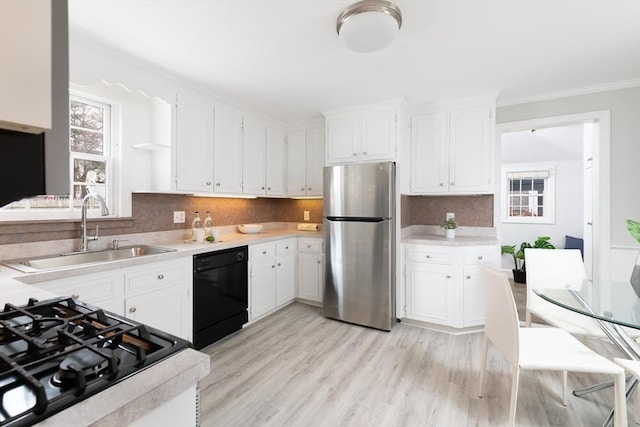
546 264
501 315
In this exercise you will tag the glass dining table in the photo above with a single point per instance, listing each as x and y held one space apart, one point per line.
613 305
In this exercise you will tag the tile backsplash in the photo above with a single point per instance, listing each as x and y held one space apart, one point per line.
472 211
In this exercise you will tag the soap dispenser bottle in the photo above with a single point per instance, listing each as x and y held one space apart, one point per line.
195 224
208 225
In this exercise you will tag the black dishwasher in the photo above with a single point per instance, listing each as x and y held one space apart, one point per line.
220 294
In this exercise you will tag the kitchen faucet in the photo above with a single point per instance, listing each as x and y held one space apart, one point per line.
104 211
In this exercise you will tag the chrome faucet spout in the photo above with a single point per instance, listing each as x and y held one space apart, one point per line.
104 211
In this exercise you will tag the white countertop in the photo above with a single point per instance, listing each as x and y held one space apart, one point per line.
434 235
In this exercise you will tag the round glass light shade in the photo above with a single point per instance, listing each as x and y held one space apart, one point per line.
369 31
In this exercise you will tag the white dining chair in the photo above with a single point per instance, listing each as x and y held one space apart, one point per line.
633 368
550 349
546 264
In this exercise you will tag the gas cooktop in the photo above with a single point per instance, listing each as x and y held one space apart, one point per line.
57 352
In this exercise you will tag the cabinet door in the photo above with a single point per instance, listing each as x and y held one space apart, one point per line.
227 152
430 293
167 309
194 144
276 159
378 134
473 298
25 65
285 279
343 139
470 150
296 163
253 158
262 289
310 276
314 162
429 155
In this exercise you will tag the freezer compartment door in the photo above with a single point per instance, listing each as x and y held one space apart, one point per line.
360 190
359 273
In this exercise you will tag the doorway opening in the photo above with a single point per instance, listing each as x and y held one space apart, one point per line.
568 160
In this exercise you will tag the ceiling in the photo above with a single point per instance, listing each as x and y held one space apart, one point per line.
283 57
553 144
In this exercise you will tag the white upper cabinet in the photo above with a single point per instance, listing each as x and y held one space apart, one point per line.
227 151
365 134
194 147
255 146
25 65
305 158
452 150
276 158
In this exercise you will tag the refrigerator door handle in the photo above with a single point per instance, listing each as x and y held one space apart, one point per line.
356 219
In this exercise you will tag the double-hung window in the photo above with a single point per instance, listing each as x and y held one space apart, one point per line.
528 194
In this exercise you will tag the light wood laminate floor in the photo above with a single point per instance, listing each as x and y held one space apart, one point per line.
297 368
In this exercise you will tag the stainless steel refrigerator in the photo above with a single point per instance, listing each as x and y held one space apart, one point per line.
359 242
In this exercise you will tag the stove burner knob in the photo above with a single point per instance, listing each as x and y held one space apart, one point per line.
132 310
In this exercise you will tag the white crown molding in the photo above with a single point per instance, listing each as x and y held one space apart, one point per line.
623 84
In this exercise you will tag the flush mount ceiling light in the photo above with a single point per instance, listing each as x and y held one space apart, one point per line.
369 25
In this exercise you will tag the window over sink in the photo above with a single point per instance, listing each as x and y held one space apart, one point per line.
91 150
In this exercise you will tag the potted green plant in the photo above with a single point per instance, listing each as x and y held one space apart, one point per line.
449 226
634 230
519 270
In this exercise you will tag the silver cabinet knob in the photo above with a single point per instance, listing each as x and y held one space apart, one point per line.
264 252
448 276
208 182
75 296
453 183
441 184
364 153
286 247
309 188
132 310
160 276
279 265
217 184
428 256
273 266
468 277
302 189
480 257
262 188
318 261
268 188
355 154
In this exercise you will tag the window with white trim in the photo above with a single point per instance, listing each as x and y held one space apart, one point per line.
528 194
91 165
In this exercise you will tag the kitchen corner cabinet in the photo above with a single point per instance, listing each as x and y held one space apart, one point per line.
272 275
25 65
365 134
310 269
156 294
305 161
451 151
442 285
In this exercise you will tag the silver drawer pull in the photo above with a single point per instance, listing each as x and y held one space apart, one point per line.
286 247
132 310
279 264
273 266
264 252
75 296
468 277
428 256
160 276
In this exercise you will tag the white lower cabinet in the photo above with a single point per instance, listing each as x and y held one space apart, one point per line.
159 295
310 269
442 286
104 289
156 294
271 276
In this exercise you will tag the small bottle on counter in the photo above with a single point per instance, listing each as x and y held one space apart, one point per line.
208 225
195 224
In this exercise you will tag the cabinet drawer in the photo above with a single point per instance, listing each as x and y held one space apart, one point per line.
310 245
262 252
286 247
89 288
430 255
157 275
481 255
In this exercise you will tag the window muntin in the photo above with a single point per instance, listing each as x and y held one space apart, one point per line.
528 195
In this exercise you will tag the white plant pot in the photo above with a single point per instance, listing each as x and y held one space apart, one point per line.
450 233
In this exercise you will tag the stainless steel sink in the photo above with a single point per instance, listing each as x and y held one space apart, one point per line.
33 265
